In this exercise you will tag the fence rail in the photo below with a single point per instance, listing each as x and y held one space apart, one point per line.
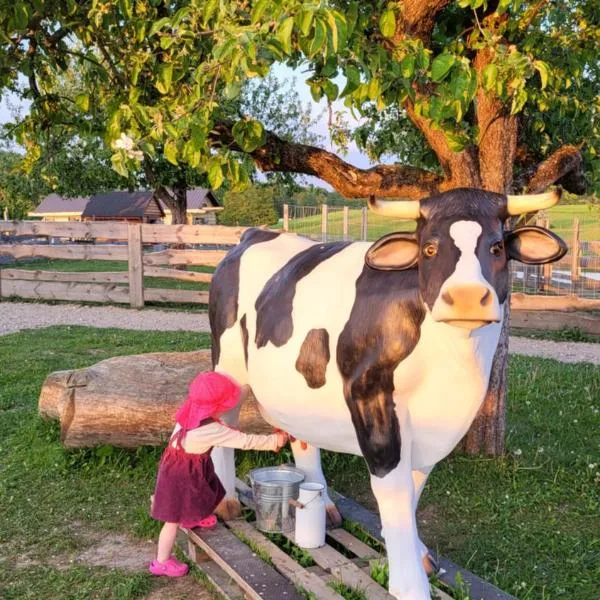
111 241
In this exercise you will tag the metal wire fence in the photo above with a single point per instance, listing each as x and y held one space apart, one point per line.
577 273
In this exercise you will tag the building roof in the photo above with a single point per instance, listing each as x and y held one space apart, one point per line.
57 204
118 204
197 198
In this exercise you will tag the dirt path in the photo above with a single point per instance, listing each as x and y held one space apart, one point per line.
15 316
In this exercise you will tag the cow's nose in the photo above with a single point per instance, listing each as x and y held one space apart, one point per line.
467 296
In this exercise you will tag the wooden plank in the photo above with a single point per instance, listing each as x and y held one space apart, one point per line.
345 223
185 257
183 296
136 267
554 320
259 580
71 252
286 217
520 301
364 223
285 564
575 254
191 234
353 544
72 229
345 570
59 290
167 273
324 222
89 277
371 523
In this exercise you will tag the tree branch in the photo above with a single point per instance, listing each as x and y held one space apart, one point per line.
417 18
390 181
565 165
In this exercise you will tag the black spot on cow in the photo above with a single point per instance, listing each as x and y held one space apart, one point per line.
383 329
314 357
224 289
244 338
274 304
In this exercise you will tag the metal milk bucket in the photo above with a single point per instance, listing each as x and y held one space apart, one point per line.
273 488
310 516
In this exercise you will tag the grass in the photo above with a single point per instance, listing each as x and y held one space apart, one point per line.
528 522
567 334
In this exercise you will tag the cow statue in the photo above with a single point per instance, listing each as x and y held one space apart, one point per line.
381 350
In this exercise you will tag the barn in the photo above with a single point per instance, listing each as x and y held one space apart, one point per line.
133 207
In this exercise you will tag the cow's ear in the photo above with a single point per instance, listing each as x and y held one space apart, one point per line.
393 252
534 245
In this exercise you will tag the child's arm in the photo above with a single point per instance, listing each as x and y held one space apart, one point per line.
217 434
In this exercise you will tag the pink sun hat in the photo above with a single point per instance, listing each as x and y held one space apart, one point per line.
209 393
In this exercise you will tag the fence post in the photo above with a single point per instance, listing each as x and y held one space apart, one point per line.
136 265
286 217
363 224
345 223
547 269
324 222
575 253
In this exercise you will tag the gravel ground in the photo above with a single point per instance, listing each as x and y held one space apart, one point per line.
15 316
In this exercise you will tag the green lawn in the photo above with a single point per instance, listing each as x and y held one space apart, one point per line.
528 522
561 221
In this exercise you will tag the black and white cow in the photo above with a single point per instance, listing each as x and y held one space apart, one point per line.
381 350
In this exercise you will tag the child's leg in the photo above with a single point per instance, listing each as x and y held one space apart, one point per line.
166 541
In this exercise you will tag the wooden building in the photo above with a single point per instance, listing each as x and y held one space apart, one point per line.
57 208
202 208
134 207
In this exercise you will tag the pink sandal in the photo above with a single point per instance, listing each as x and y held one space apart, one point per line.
209 522
170 568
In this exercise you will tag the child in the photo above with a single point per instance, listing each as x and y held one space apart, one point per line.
187 488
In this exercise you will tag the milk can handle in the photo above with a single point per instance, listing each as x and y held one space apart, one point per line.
297 504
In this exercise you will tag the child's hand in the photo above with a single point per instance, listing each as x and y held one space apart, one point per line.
282 439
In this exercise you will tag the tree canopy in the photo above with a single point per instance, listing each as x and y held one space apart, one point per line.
459 91
255 206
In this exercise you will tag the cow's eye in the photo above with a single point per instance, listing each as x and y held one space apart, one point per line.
497 248
430 249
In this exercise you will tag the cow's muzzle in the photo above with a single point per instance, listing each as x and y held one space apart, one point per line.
469 306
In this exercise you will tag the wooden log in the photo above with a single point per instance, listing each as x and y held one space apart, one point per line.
182 296
191 234
259 580
209 258
554 320
71 252
83 277
110 230
179 275
136 267
129 401
520 301
57 290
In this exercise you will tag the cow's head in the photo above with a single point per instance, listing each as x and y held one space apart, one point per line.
461 250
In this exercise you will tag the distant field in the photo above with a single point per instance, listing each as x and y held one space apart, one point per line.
307 221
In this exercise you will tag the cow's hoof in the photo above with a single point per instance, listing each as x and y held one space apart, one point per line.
229 509
430 565
334 518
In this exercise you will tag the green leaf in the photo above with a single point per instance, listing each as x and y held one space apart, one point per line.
82 102
456 141
544 72
164 78
170 152
387 23
210 10
518 102
304 20
441 65
158 25
126 8
248 134
20 15
333 31
118 164
353 80
284 34
331 90
215 177
351 17
319 38
489 76
407 67
258 10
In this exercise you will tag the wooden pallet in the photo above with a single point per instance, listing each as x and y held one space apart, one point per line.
229 556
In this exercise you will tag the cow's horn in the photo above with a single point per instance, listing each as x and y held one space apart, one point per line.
400 209
528 203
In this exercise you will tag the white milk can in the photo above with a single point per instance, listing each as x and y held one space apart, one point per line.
310 516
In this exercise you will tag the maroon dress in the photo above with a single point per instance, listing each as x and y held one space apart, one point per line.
187 487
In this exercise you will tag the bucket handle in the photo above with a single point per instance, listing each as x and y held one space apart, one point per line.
297 504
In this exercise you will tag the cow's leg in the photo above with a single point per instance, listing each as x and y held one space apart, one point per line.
395 495
224 461
419 477
308 459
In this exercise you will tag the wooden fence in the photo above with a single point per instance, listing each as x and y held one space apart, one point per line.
112 241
